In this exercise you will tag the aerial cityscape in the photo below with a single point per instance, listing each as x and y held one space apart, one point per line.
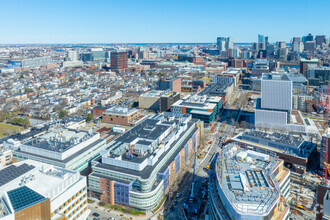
151 110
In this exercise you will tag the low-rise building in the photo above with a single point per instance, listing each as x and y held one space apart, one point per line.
33 190
304 63
158 100
122 116
260 67
172 84
317 75
302 102
294 150
139 167
192 85
201 107
62 147
99 110
231 75
225 91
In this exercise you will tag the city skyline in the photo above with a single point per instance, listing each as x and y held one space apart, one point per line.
170 22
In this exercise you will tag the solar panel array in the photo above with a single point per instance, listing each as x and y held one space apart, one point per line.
12 172
24 197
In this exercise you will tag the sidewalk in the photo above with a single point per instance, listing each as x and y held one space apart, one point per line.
118 214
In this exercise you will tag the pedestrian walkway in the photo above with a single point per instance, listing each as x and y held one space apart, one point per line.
120 215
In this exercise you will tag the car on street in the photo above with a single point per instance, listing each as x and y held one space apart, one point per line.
178 195
96 214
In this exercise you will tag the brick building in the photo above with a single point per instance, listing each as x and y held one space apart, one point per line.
121 116
173 84
99 110
118 61
305 62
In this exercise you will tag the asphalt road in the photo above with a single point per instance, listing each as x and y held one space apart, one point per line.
175 210
104 215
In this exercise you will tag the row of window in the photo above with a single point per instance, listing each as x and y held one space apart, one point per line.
70 200
80 213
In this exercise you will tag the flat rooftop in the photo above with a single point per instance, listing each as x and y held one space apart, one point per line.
158 93
146 172
230 71
289 144
244 176
40 177
60 140
275 76
117 110
216 89
67 159
314 60
35 131
203 105
261 62
149 129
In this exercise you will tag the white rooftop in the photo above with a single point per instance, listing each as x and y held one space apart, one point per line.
44 178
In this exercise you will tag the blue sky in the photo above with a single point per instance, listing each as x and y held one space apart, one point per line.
139 21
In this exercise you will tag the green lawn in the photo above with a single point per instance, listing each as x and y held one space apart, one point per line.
122 209
6 129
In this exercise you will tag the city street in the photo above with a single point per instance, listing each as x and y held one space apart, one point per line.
104 213
224 128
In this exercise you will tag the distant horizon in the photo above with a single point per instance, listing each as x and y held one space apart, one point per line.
165 43
192 43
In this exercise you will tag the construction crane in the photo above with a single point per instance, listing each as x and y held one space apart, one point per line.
326 146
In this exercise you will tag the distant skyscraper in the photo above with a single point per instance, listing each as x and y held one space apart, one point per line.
270 50
262 46
320 40
229 43
72 55
246 54
86 57
261 38
297 45
296 39
255 46
309 37
225 43
221 43
280 44
263 42
98 54
309 45
266 41
282 53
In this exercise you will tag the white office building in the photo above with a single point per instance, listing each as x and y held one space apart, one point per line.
62 147
274 110
276 92
33 190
